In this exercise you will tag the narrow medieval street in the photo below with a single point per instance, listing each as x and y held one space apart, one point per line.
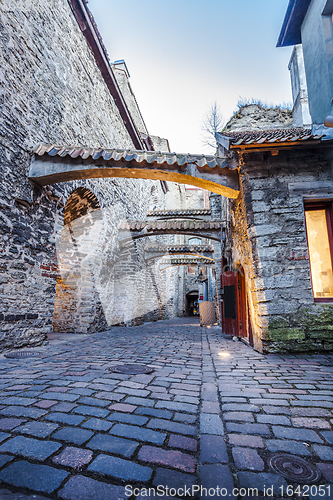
72 429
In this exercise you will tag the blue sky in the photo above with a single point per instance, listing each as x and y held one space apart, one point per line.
185 54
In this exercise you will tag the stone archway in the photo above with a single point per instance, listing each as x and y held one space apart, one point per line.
191 308
77 306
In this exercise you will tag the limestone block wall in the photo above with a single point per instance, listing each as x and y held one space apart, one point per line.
122 76
269 241
51 92
28 265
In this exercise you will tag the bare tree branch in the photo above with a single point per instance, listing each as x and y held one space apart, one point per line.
212 123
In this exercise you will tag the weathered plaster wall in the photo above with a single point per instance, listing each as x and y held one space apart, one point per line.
301 112
317 42
269 240
107 282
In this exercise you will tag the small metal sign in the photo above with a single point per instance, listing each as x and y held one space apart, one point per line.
22 354
131 369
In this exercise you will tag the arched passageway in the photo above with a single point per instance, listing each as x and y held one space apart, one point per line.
77 305
192 305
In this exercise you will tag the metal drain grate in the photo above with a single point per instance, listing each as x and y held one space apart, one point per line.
22 354
294 468
131 369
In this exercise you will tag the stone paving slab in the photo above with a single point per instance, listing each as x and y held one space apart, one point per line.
72 429
84 488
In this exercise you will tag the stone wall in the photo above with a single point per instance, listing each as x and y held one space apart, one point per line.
122 75
258 117
269 241
51 92
28 265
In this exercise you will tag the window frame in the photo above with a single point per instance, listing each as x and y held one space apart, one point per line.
326 205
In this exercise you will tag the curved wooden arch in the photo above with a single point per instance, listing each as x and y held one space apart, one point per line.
171 231
161 255
180 265
52 168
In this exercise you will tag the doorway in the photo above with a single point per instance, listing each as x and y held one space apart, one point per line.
235 316
192 305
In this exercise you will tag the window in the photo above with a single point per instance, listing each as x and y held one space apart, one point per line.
319 228
191 270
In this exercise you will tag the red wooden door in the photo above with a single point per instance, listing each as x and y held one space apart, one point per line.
229 303
234 319
241 303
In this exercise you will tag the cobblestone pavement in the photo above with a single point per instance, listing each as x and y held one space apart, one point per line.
72 429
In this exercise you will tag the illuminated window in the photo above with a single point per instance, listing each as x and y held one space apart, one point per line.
191 270
319 227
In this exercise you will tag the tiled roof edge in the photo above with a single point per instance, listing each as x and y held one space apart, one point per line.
272 136
128 155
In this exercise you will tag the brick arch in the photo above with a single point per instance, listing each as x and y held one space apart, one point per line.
80 202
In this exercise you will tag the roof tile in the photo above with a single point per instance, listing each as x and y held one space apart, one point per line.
270 136
130 155
177 213
170 225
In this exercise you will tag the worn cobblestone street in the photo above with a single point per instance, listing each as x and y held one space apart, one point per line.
72 429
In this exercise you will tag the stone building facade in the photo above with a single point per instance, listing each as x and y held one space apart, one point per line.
81 255
281 226
53 90
68 261
283 173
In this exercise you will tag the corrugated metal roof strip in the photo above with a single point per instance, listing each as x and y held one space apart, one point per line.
139 156
177 225
188 262
177 213
179 248
253 137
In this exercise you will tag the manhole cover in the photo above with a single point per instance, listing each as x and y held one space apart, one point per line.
294 468
131 369
22 354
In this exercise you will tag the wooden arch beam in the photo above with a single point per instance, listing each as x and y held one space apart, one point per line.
169 231
52 165
175 255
